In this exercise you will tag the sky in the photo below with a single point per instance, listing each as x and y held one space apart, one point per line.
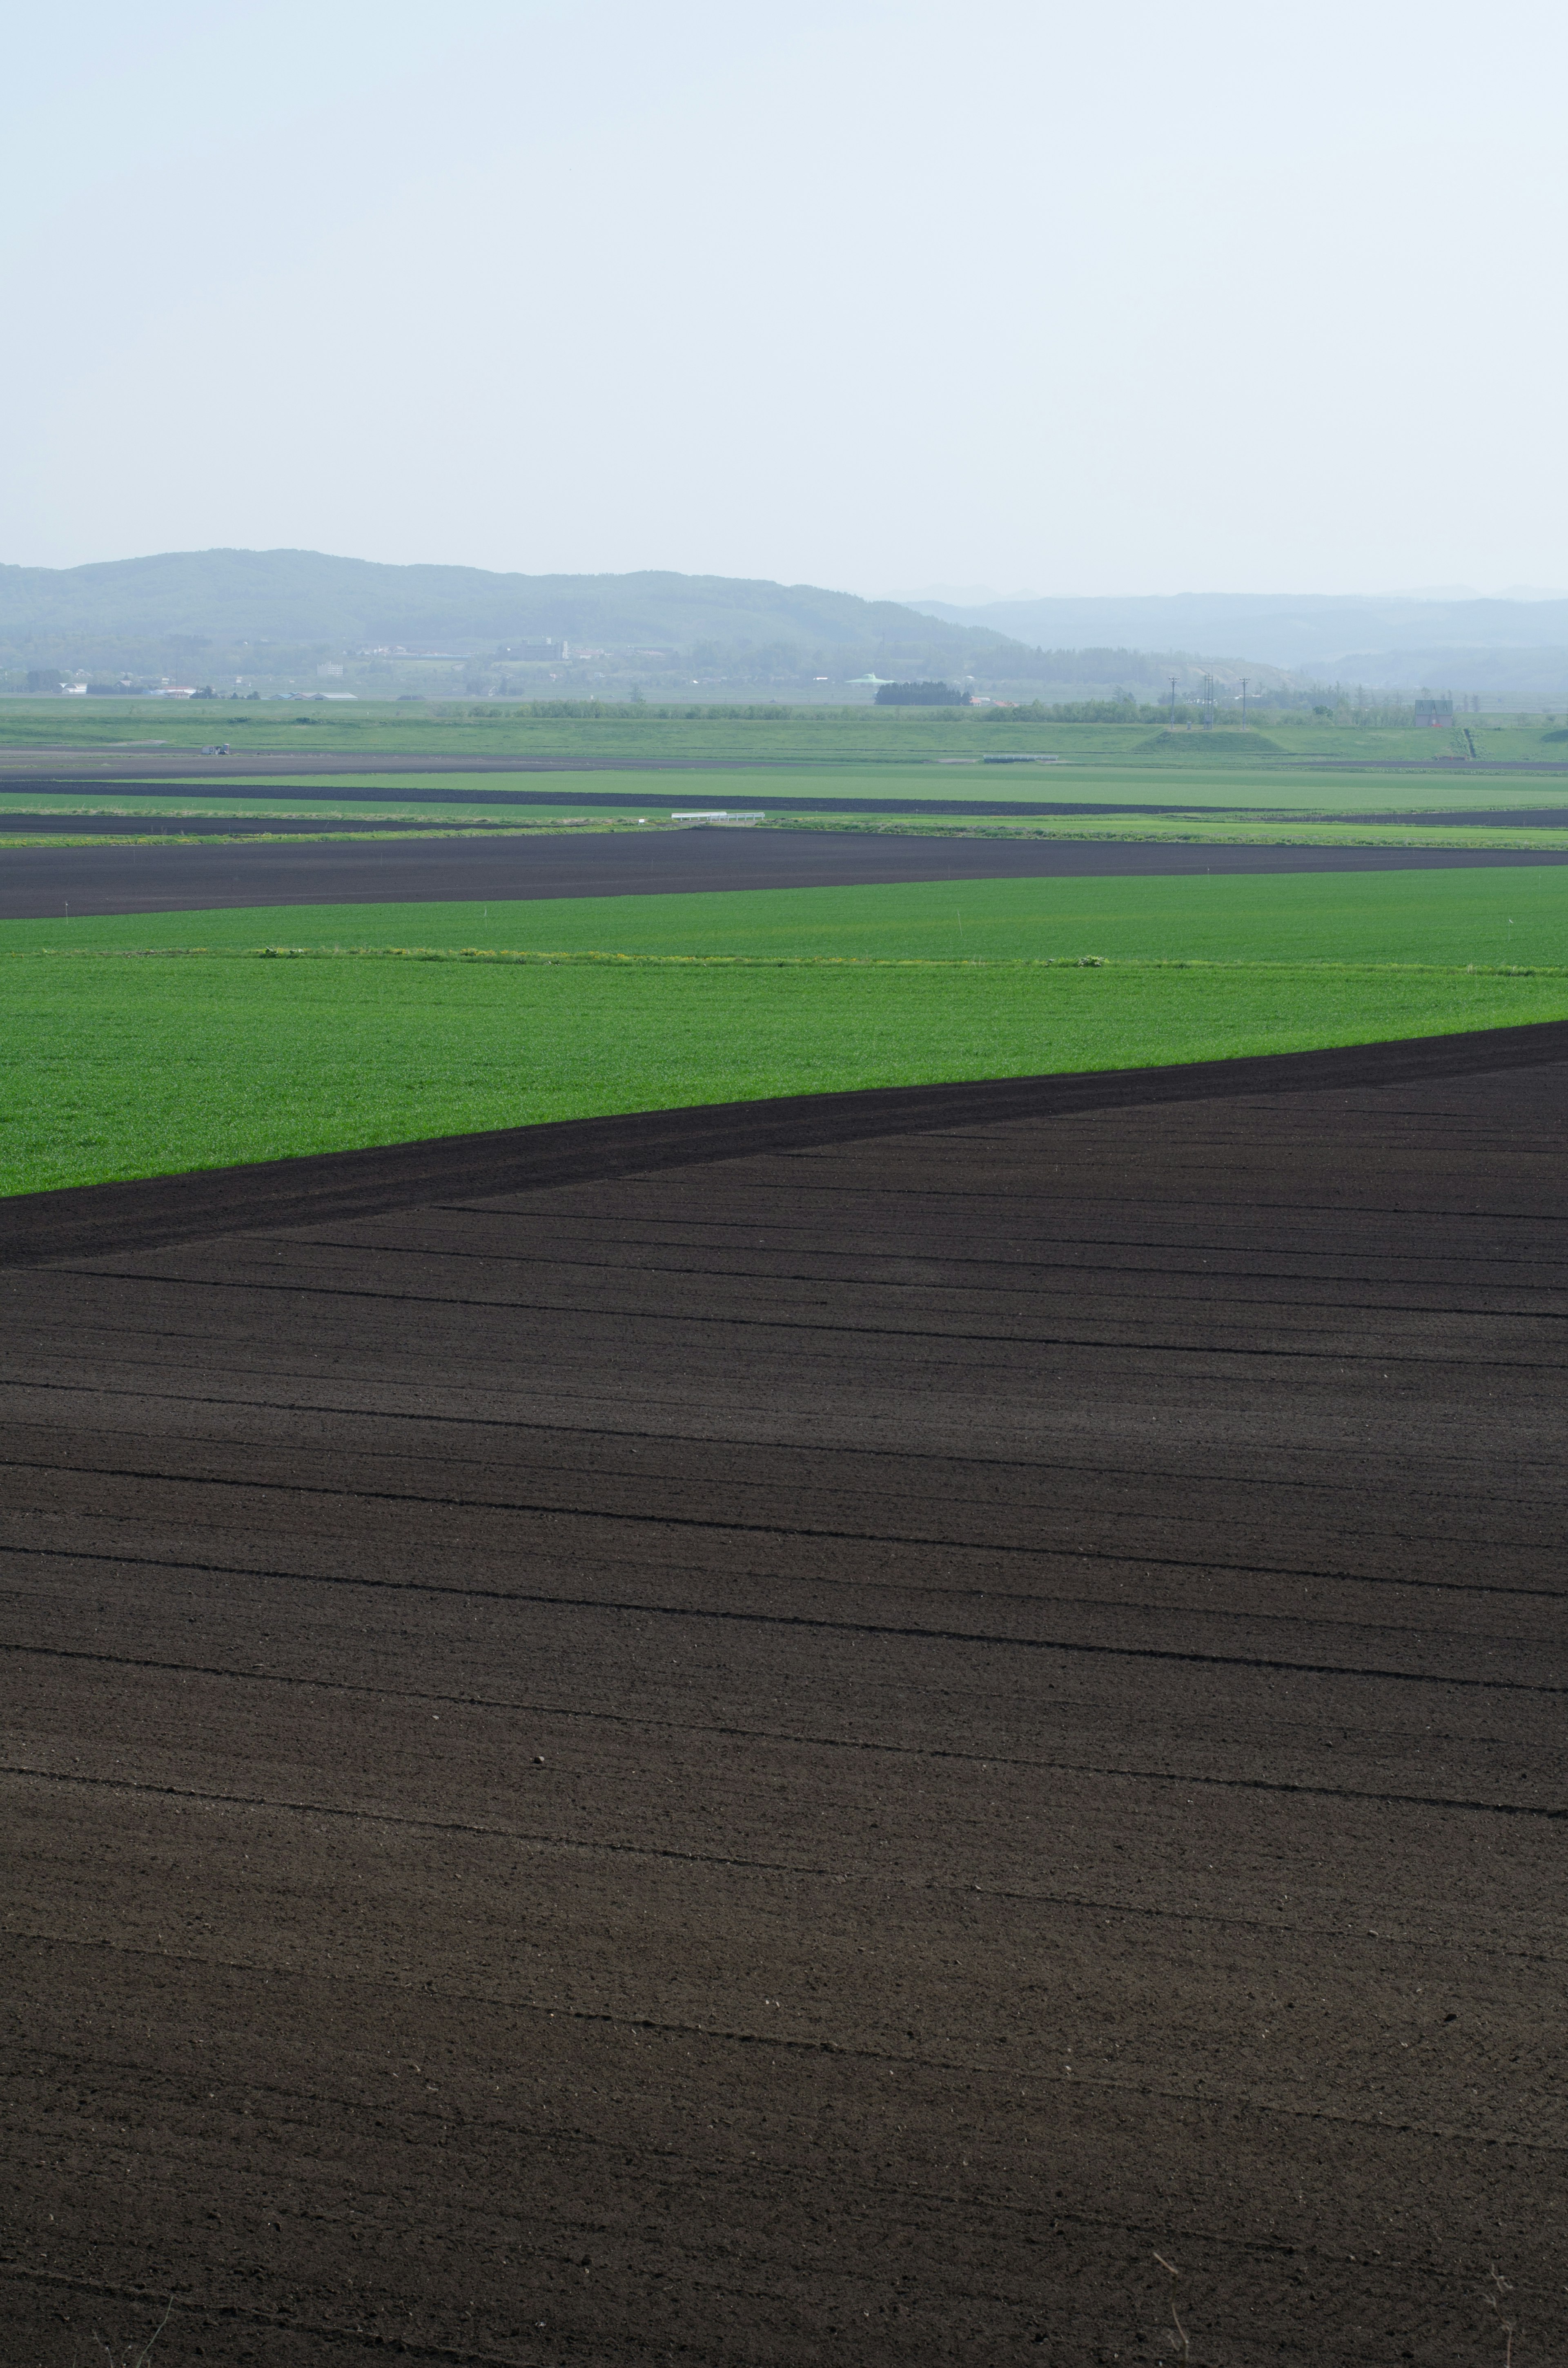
875 294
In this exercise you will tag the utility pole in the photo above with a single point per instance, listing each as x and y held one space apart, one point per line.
1172 702
1243 702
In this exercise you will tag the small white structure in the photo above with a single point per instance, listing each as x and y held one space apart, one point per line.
717 814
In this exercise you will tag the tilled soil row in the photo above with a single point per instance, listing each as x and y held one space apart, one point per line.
834 1753
42 883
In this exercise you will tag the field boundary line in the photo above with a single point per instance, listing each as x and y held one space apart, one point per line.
532 958
141 1213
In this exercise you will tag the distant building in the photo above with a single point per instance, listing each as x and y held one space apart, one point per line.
922 694
1435 712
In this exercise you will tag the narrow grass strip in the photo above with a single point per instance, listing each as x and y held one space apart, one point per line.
554 959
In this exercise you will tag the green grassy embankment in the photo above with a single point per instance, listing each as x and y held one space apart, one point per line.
120 1062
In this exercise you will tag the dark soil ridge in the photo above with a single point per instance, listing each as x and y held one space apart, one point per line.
160 876
202 825
147 1212
1435 818
298 768
160 758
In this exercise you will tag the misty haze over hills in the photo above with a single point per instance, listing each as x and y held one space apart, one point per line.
1397 638
281 615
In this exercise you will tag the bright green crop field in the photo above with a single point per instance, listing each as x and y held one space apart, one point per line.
1517 915
141 1068
121 1055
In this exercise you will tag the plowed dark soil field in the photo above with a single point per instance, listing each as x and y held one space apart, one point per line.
38 882
938 1748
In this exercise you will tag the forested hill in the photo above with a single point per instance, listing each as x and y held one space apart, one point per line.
311 597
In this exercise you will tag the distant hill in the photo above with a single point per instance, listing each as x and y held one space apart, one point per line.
1306 633
231 599
276 614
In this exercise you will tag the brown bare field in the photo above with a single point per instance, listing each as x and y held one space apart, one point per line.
40 882
834 1753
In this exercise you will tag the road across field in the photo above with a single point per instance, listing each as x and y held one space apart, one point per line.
39 882
832 1753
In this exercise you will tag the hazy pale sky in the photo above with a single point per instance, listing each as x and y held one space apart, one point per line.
875 294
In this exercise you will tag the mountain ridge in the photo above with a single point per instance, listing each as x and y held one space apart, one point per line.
276 614
291 596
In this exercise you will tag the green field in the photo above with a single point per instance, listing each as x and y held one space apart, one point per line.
148 1068
118 1062
1449 919
808 737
